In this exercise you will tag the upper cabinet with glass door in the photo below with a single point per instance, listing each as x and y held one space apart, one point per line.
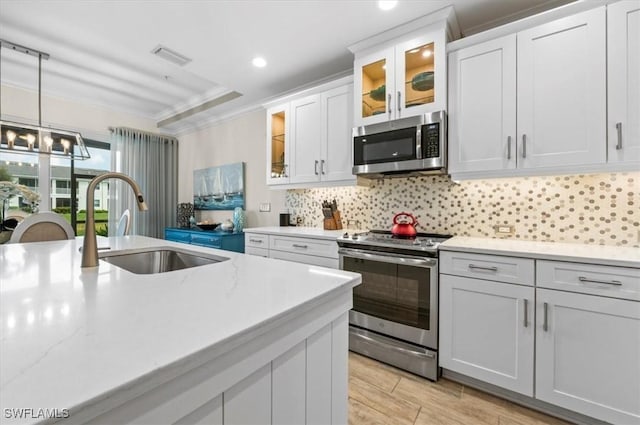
278 144
403 77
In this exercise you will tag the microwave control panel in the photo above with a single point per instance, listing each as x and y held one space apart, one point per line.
431 140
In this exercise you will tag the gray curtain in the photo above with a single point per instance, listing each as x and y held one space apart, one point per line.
152 161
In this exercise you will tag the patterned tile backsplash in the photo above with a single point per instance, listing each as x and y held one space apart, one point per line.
592 209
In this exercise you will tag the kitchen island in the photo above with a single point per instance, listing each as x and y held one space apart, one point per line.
246 340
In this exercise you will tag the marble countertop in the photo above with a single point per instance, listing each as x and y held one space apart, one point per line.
593 254
308 232
69 336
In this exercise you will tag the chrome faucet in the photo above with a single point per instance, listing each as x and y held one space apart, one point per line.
90 246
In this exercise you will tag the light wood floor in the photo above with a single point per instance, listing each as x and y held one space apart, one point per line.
381 394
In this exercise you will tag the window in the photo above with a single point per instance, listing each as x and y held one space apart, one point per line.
22 169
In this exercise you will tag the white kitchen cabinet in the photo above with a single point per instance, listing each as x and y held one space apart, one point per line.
623 65
289 383
305 133
254 391
562 94
572 347
278 144
482 106
336 145
487 331
318 146
587 351
321 252
402 79
533 100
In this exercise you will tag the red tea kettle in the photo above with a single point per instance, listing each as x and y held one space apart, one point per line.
402 227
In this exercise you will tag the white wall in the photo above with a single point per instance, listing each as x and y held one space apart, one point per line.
240 139
92 121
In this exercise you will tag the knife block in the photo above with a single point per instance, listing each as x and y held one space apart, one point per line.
333 223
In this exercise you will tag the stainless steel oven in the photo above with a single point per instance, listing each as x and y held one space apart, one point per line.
395 310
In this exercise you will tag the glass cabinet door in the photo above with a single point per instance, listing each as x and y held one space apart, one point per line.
278 145
420 72
374 87
418 76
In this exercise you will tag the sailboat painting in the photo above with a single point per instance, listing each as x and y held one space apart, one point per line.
219 188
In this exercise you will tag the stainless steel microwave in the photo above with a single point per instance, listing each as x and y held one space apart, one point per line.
408 146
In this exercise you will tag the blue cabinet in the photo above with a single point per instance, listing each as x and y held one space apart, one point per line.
209 238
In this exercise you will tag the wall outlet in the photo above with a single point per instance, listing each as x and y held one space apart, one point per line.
504 229
265 207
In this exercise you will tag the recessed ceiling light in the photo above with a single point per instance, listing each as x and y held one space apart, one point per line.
387 4
426 53
259 62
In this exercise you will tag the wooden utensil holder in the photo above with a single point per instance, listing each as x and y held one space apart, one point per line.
333 223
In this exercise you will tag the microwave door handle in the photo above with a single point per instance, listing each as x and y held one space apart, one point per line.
389 100
389 258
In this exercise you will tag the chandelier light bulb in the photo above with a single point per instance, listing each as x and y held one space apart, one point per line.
11 137
31 141
48 141
65 145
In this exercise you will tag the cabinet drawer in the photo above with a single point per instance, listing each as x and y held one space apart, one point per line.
206 240
608 281
175 236
489 267
313 260
318 247
256 240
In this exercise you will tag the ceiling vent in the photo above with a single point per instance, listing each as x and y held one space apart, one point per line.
170 55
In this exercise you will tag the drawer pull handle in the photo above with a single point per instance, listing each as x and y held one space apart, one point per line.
526 313
295 245
545 323
490 269
606 282
255 240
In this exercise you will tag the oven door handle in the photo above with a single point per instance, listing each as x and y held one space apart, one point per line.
402 350
405 260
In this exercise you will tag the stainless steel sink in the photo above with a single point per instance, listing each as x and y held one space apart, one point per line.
159 260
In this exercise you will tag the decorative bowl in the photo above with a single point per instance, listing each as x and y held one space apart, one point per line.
207 226
378 94
422 81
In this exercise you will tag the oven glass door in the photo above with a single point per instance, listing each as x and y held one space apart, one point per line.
394 292
390 146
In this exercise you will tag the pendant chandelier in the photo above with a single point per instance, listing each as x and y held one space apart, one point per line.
26 138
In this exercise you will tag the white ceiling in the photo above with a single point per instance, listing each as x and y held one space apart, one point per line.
100 50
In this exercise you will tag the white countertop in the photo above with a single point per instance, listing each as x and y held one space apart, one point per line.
600 254
69 336
308 232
